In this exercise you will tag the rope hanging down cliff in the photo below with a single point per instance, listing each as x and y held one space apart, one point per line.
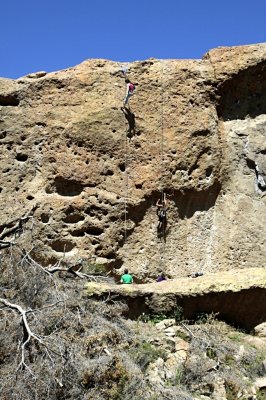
130 117
126 189
124 70
161 205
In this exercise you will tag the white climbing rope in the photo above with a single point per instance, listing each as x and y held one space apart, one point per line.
162 163
124 69
126 189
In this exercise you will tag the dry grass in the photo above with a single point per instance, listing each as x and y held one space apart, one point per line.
85 349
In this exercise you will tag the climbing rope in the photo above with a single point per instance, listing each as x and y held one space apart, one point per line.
124 69
126 189
162 162
162 127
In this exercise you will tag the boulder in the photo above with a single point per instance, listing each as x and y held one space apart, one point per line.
162 325
260 330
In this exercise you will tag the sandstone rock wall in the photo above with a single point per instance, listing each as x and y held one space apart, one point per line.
196 129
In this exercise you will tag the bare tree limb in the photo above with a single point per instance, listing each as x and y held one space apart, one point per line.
28 334
73 269
11 228
4 244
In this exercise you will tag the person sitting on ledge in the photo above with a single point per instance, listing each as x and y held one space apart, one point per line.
126 278
161 278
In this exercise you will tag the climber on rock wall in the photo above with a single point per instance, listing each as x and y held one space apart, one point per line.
161 213
129 91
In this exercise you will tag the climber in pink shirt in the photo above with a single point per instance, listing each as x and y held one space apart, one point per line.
129 91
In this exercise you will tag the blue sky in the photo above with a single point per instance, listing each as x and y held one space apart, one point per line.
56 34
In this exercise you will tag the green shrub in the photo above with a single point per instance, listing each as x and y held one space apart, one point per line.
211 353
94 269
179 313
236 336
152 317
183 335
147 353
179 376
201 318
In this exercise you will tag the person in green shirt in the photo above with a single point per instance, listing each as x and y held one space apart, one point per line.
126 278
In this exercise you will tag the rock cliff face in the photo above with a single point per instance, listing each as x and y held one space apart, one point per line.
195 129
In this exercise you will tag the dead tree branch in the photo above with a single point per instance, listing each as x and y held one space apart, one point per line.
16 226
4 244
28 334
73 269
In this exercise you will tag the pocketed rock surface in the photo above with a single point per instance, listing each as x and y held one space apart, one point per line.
195 129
